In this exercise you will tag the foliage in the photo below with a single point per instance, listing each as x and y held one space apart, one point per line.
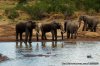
42 7
94 4
66 7
11 13
22 1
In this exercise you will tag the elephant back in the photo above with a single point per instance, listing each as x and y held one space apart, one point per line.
72 26
20 27
31 25
45 27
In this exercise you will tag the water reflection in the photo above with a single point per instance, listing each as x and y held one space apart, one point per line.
49 53
20 45
53 44
40 49
70 42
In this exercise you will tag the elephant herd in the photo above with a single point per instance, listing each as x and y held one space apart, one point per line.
70 27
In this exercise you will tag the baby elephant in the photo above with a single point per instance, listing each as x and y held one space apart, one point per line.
26 27
71 28
51 27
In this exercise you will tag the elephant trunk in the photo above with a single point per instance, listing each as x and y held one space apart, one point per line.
65 26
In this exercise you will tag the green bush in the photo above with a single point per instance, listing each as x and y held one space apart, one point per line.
41 7
34 12
66 7
94 4
11 13
22 1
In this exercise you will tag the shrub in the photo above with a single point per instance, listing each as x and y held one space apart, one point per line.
11 13
43 7
67 7
94 4
22 1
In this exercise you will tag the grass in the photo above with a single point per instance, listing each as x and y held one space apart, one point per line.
4 5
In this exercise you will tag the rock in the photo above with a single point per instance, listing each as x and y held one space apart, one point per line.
3 58
92 34
89 56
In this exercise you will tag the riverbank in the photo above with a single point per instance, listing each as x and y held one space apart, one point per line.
12 39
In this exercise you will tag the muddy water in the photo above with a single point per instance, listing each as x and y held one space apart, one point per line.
51 54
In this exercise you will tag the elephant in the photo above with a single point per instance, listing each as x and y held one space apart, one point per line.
71 27
26 27
51 27
89 23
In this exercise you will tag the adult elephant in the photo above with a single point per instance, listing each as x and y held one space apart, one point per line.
89 23
26 27
51 27
71 27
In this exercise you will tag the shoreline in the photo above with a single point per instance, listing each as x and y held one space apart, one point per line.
12 39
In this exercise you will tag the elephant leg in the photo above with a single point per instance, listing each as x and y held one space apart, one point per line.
26 37
62 35
91 28
71 35
75 36
20 36
52 35
56 35
16 36
42 36
84 27
37 37
94 28
45 36
30 37
68 34
87 28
